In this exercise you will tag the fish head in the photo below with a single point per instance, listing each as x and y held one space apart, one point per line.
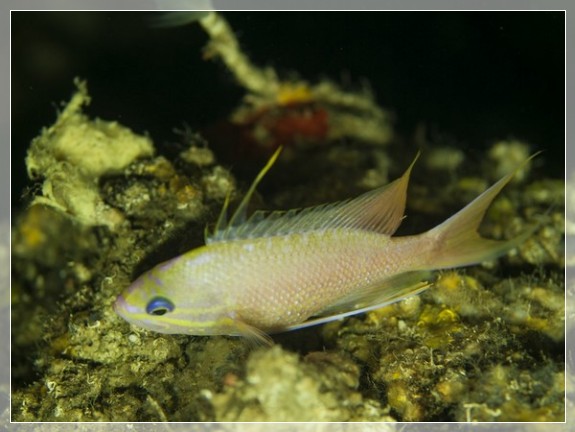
174 297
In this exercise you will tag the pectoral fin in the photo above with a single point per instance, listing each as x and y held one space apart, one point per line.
254 335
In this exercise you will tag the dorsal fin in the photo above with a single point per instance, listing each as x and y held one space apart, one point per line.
380 210
239 216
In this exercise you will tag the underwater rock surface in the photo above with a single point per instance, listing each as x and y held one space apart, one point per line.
484 344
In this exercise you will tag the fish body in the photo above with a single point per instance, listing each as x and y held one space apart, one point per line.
283 271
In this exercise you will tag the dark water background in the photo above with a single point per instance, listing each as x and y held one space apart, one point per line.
472 77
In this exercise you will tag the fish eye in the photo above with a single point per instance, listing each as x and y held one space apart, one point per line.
159 306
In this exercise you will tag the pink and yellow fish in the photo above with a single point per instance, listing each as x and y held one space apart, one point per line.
282 271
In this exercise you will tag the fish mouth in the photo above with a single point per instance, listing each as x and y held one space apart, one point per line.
120 306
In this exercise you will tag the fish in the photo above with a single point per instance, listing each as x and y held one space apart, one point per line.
279 271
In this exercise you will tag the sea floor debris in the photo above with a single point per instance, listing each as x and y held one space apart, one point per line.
484 344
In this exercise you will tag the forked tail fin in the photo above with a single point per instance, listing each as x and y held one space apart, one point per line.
457 243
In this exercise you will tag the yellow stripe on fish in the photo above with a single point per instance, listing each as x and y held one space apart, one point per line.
282 271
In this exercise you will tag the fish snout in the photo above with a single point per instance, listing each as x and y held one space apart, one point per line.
120 306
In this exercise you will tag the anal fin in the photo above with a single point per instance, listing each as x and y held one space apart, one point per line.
371 297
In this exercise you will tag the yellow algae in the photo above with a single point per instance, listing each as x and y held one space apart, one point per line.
294 93
438 324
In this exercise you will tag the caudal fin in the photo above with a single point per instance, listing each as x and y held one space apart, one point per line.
457 242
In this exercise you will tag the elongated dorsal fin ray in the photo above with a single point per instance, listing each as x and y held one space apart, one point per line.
239 216
380 210
222 219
